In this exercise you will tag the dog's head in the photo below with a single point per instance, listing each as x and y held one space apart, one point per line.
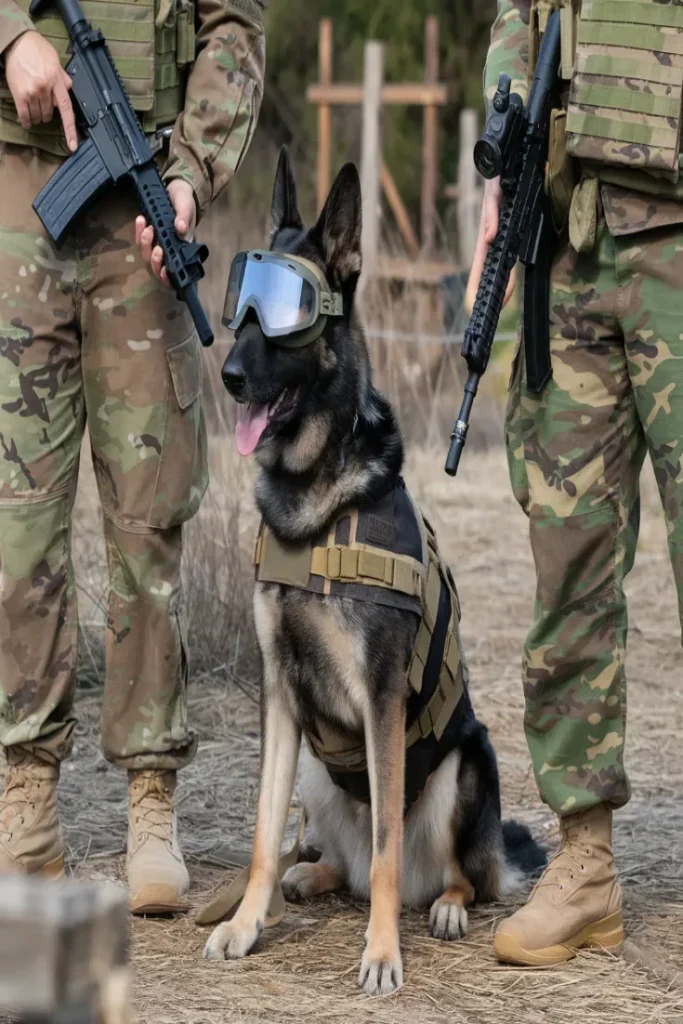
286 394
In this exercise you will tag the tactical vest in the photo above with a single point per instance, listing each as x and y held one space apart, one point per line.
152 43
622 65
386 555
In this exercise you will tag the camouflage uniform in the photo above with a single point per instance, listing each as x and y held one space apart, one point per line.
575 455
89 334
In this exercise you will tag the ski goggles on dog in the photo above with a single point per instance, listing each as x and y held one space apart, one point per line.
289 295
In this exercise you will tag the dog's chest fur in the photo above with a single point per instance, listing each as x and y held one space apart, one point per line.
334 656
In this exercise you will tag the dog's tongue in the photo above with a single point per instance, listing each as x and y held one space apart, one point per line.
252 420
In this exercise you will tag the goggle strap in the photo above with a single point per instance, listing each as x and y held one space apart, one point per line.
331 304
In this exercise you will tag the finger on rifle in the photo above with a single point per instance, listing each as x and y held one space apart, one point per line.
46 106
62 101
140 225
164 276
511 286
478 261
146 240
491 211
24 114
157 260
34 112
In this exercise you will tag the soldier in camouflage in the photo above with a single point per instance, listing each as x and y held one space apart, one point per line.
92 334
575 452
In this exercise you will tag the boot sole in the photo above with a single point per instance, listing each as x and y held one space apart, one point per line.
157 899
54 869
606 935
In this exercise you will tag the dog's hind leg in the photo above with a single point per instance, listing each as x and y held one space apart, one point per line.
303 881
280 745
381 968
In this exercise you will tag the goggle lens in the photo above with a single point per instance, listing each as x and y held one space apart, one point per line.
283 300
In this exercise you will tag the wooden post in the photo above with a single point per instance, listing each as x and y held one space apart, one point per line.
64 951
469 191
324 113
371 152
400 213
430 142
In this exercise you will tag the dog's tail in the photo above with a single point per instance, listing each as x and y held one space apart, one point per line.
524 857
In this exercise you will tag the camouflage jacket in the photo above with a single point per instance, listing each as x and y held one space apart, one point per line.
626 210
223 96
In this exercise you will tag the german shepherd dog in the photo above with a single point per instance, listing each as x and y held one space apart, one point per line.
332 440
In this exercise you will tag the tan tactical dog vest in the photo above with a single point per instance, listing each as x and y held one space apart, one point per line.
386 555
152 43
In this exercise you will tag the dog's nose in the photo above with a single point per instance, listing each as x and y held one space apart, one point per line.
233 376
234 381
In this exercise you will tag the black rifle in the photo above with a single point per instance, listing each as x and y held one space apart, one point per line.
115 148
515 146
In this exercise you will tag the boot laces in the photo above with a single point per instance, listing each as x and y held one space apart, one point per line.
152 807
570 860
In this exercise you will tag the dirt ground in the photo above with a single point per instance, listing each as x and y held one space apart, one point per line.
306 968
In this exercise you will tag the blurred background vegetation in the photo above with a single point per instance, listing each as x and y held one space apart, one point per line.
292 64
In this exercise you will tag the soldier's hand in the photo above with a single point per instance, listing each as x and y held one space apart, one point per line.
184 205
39 83
488 229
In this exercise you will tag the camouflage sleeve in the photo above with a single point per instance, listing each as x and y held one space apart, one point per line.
224 91
509 50
13 23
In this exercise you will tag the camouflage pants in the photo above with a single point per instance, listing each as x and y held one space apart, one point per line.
88 334
575 457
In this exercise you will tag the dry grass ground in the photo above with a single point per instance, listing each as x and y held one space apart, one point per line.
305 970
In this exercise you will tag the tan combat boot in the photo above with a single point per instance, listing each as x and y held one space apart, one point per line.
31 840
157 876
576 903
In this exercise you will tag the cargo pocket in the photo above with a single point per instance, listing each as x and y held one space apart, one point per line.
183 472
625 97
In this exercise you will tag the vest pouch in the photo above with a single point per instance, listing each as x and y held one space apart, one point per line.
538 19
562 174
185 33
624 105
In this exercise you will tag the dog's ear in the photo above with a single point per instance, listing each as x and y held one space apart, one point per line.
284 210
339 225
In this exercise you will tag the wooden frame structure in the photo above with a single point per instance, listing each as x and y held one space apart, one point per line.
422 266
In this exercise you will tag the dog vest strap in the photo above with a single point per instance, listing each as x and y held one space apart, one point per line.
369 566
336 752
277 562
294 564
229 898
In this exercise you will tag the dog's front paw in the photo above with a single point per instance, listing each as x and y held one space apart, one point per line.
232 941
380 976
448 919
